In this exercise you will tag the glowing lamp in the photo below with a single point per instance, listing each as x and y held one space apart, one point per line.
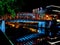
58 20
13 25
47 16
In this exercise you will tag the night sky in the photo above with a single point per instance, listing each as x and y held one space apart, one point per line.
31 4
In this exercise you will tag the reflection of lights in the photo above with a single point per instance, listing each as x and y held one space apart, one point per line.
58 20
38 39
39 31
41 39
47 16
24 27
55 37
13 25
17 26
33 30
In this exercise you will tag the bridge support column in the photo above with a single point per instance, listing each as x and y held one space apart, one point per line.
3 26
41 27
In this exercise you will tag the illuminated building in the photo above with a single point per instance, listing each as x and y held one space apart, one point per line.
39 13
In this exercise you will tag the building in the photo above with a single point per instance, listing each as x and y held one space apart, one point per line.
39 11
26 15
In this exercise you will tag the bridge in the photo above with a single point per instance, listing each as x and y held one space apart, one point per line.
25 21
41 23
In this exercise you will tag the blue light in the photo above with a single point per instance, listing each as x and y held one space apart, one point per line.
39 30
58 33
2 26
22 21
43 31
41 24
50 34
28 37
58 26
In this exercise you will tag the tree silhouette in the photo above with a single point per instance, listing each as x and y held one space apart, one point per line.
10 7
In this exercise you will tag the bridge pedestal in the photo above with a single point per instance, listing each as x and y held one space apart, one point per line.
41 27
2 26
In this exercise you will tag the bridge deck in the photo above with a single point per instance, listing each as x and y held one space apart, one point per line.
27 20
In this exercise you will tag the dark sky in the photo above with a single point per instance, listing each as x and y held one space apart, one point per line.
31 4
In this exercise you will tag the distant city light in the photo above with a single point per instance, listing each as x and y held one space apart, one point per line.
58 20
56 10
47 16
52 6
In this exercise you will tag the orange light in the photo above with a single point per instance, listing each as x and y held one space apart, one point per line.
13 25
47 16
17 26
33 30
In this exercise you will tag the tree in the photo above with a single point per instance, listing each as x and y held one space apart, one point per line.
10 6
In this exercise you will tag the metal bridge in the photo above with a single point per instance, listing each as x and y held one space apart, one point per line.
41 23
